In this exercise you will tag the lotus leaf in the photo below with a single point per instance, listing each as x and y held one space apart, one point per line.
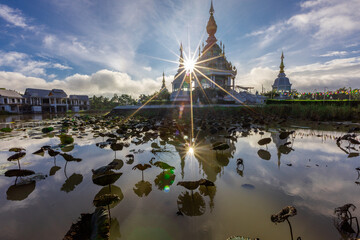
264 141
264 154
106 179
18 173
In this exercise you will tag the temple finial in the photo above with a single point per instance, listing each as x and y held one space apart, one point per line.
211 27
282 66
163 81
181 60
212 8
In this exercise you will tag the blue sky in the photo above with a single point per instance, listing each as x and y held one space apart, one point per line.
115 46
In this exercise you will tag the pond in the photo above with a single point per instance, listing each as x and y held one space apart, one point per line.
234 177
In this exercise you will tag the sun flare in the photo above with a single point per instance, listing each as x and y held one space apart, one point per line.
191 150
189 65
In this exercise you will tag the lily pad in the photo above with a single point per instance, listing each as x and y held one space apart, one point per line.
16 149
53 170
6 130
18 173
264 154
112 189
20 192
17 156
353 154
142 188
106 179
70 158
66 139
264 141
106 199
47 129
72 182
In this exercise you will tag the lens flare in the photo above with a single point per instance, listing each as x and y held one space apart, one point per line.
166 188
189 65
191 150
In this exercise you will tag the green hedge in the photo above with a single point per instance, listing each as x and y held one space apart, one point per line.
352 103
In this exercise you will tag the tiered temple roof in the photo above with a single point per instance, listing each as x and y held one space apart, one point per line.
212 63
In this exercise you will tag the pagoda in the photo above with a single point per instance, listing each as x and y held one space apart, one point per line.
282 84
212 64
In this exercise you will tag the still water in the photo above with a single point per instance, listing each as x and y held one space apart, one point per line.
308 169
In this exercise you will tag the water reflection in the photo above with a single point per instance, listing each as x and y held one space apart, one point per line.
317 181
191 204
164 180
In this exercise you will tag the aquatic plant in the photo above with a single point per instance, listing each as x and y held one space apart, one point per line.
6 130
283 215
66 139
344 220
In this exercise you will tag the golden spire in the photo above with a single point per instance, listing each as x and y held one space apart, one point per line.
163 81
211 27
181 60
282 66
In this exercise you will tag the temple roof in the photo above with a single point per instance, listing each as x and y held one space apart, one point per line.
212 59
282 82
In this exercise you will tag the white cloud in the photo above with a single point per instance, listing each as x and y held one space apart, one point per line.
48 41
60 66
23 63
13 16
148 69
103 82
324 22
334 53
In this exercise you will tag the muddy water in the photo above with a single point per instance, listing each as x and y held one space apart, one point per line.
311 172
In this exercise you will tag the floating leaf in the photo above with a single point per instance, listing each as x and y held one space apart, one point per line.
154 145
40 152
106 199
7 130
353 154
112 189
264 154
53 170
17 149
190 185
72 182
18 173
284 135
70 158
285 149
191 204
264 141
142 188
163 165
117 146
17 156
66 139
67 148
164 179
20 192
106 179
47 129
220 146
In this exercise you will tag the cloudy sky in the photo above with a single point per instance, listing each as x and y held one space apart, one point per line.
120 46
